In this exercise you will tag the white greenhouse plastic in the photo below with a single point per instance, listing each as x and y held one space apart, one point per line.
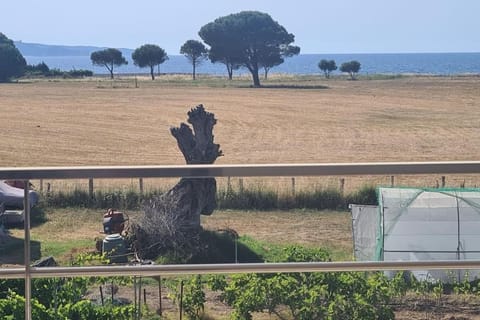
411 224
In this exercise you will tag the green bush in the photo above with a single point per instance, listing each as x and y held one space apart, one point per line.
352 295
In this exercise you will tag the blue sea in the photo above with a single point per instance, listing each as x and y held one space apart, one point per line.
401 63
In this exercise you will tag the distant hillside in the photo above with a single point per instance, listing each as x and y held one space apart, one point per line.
45 50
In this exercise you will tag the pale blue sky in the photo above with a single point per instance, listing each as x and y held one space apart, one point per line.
335 26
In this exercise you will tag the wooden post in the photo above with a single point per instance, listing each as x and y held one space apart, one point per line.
140 185
443 181
229 186
240 185
41 186
159 295
113 293
342 185
181 299
101 296
293 186
392 181
90 188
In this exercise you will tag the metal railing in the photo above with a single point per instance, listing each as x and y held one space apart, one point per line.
204 171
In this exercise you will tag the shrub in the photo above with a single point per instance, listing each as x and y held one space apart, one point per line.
352 295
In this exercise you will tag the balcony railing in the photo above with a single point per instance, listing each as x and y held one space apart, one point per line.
202 171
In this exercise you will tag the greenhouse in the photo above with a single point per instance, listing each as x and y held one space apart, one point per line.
412 224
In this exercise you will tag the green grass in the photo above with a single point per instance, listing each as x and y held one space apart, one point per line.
59 249
268 251
271 251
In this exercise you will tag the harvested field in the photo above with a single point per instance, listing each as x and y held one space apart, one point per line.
405 119
95 122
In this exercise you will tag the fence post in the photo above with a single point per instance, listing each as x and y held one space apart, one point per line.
342 185
443 181
41 186
90 188
229 186
160 295
140 185
293 186
392 181
240 185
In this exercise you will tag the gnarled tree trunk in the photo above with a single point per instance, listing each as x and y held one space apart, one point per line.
172 220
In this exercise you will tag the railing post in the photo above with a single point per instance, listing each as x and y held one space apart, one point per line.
26 259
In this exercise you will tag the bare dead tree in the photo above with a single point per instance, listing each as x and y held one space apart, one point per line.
172 220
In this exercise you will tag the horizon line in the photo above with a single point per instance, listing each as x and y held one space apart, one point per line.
306 53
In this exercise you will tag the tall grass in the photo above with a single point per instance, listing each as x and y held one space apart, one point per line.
249 198
120 199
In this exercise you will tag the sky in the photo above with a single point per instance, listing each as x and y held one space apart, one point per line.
335 26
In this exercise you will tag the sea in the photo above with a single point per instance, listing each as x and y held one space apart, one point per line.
303 64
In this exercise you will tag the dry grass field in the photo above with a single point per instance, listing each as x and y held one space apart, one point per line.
96 122
81 123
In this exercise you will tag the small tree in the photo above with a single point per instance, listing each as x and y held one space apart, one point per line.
327 66
12 63
351 67
277 58
195 52
108 58
149 55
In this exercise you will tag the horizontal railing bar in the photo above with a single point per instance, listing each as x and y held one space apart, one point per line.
155 270
12 273
243 170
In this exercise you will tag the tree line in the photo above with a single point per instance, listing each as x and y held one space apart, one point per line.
350 67
248 39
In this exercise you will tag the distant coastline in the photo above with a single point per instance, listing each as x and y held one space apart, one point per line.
78 57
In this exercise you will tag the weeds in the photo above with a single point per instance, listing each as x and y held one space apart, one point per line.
251 198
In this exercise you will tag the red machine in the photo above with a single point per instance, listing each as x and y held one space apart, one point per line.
113 222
